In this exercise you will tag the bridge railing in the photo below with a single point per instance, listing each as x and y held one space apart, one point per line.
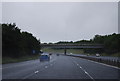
73 45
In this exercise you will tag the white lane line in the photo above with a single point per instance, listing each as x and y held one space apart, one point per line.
88 75
28 76
77 64
105 64
84 70
80 67
102 64
46 66
52 60
36 72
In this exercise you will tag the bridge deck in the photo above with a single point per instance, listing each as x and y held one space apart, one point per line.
72 46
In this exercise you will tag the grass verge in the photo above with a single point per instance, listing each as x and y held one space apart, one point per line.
113 55
74 51
77 51
6 60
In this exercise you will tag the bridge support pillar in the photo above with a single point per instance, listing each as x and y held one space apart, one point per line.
65 50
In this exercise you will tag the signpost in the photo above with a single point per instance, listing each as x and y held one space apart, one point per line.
65 51
33 51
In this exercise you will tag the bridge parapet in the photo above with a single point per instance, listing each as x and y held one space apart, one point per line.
72 45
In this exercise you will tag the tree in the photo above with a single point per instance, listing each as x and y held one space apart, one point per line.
10 40
16 43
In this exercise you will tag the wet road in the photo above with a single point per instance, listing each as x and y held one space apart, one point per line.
60 67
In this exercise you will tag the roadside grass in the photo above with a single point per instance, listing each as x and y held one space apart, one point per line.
6 60
50 50
114 55
74 51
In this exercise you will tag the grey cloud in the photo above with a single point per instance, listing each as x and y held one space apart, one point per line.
52 22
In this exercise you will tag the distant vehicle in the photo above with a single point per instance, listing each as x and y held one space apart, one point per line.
50 53
41 52
88 54
70 53
44 57
97 55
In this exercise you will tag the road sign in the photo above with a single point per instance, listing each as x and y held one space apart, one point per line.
33 51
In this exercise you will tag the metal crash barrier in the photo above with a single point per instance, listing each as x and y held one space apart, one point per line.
113 62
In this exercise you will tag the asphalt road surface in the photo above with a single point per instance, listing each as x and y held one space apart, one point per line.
60 67
102 57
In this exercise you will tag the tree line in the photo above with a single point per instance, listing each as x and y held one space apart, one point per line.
16 43
111 43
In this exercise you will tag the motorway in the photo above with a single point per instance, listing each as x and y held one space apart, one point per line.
102 57
60 67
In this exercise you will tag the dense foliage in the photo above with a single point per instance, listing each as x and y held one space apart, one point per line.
16 43
111 43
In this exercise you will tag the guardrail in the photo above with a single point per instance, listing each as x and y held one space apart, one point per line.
114 62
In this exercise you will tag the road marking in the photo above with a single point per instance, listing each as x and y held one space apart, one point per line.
51 64
102 64
46 66
84 70
28 76
51 57
89 75
36 72
77 64
80 67
105 64
52 61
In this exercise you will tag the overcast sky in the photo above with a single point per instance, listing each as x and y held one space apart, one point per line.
67 21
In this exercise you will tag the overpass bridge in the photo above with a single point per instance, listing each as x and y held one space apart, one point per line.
70 46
